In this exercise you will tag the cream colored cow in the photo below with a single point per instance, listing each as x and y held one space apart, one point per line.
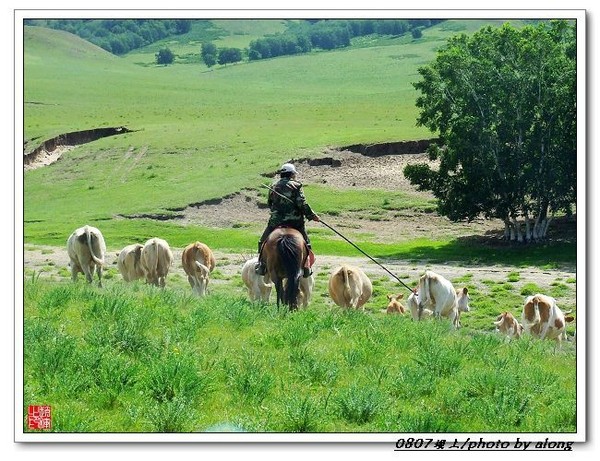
129 262
156 260
198 262
350 287
86 250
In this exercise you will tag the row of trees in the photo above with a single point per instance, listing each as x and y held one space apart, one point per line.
504 104
302 37
118 36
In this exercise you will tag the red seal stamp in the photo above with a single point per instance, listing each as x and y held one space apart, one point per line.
39 417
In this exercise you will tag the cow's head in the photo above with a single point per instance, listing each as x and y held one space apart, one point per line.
412 304
202 274
462 300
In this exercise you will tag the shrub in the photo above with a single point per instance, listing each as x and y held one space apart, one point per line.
358 404
165 56
301 414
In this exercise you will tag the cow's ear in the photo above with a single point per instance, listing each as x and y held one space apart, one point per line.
389 297
569 318
399 296
465 291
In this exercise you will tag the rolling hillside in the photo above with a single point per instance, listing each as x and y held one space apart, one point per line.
199 134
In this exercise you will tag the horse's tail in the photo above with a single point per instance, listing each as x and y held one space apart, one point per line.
291 260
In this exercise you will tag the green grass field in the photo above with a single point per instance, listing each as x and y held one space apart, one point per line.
141 359
131 358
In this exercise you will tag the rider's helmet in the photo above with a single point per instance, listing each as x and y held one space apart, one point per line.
288 168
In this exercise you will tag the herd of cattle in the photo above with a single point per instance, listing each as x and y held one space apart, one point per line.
348 286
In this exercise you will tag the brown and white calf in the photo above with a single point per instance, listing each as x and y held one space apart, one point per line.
86 250
349 286
198 262
259 286
129 262
543 319
156 260
438 294
508 325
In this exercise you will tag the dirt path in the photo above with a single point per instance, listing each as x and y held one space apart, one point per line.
342 170
50 261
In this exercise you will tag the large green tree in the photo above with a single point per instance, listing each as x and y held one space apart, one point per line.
209 54
503 102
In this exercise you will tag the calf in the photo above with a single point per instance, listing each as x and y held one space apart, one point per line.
349 287
156 259
198 262
129 262
86 249
259 286
437 292
543 319
394 306
508 325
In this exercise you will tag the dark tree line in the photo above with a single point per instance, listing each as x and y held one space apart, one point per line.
304 36
118 36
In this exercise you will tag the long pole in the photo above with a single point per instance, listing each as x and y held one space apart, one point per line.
347 240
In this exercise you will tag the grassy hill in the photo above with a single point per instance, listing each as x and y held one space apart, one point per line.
199 133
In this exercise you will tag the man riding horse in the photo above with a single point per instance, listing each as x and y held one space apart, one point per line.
288 208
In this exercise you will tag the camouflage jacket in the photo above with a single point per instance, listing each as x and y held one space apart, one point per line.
294 209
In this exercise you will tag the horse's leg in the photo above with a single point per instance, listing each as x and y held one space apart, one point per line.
279 290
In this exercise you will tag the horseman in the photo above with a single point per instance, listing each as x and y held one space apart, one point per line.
288 208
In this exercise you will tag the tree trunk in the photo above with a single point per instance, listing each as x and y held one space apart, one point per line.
517 227
528 230
507 229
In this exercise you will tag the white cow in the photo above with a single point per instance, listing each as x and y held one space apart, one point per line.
129 262
198 262
543 319
307 285
349 287
86 249
439 294
156 261
259 286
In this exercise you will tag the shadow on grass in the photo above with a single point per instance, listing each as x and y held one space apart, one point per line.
558 251
469 250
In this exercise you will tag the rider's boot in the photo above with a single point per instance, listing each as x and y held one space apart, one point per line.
306 270
260 268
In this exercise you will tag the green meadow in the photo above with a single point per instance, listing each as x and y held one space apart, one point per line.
133 358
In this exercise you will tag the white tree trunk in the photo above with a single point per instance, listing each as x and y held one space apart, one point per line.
517 227
507 229
528 230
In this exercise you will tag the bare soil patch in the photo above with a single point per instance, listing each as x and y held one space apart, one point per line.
347 170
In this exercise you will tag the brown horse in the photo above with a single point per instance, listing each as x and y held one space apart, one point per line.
285 253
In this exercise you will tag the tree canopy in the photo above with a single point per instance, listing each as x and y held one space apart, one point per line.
503 102
119 36
165 56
